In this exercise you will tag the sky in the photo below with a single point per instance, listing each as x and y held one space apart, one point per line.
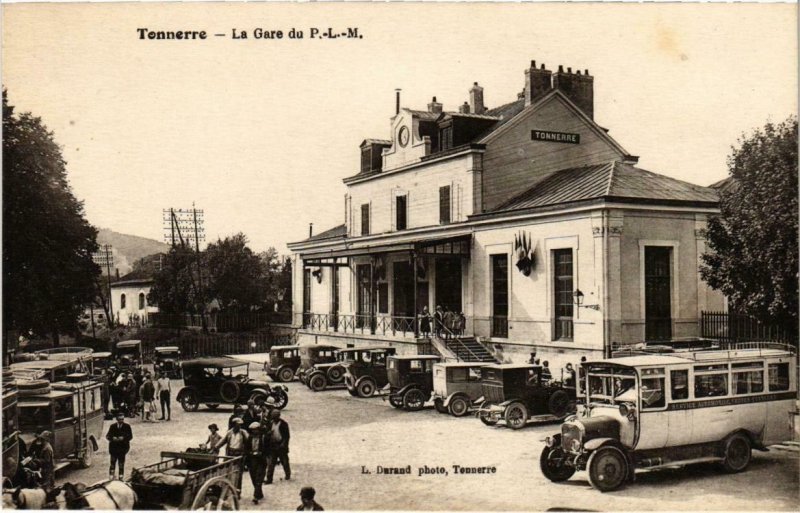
259 133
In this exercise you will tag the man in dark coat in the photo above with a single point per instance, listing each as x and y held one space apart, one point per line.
43 459
278 443
308 503
119 438
256 459
251 414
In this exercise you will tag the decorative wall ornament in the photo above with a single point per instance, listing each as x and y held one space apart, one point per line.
525 250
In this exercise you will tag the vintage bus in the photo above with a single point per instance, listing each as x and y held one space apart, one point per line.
53 370
10 426
653 411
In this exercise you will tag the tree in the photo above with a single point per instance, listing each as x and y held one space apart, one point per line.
176 289
754 240
240 278
48 271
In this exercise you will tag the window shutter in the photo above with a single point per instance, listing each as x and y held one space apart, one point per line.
393 210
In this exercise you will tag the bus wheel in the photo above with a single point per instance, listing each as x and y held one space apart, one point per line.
737 453
88 455
552 464
607 469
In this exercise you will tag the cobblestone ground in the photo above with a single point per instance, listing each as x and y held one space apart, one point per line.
334 435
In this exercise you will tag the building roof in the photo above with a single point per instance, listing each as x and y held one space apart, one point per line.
384 142
610 180
137 276
336 231
425 115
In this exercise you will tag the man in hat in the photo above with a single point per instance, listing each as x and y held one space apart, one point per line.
43 458
237 414
266 410
252 414
235 439
278 443
256 459
308 503
119 438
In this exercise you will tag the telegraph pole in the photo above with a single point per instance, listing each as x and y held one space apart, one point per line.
104 257
187 224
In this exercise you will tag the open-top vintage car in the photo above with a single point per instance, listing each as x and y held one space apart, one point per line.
516 393
658 411
326 375
366 373
457 387
311 355
128 355
168 361
410 380
283 363
216 380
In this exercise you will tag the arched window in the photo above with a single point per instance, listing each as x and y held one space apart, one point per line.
122 302
141 300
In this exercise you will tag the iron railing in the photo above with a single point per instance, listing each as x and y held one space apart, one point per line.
734 328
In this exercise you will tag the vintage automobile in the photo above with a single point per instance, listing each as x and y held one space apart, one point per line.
10 426
71 409
410 380
216 380
167 361
650 412
516 393
366 373
326 375
102 361
283 363
311 355
457 387
128 355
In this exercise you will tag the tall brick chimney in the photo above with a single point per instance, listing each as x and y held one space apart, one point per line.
476 99
537 82
464 109
434 106
577 87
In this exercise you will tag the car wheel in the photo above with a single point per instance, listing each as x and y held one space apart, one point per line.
229 391
553 465
212 406
458 406
281 398
558 404
286 374
189 402
414 399
365 388
317 382
738 452
516 415
485 418
439 405
396 401
607 469
335 374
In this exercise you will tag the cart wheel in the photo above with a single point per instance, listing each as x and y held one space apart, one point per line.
335 374
286 374
88 455
414 399
216 494
459 406
317 382
516 415
189 402
607 469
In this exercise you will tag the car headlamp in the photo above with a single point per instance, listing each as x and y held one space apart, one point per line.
575 445
549 442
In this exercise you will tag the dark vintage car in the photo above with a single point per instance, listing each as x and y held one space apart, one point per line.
516 392
168 361
457 387
366 373
311 355
410 380
283 363
128 355
327 375
216 380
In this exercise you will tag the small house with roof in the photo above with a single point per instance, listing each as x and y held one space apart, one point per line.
129 297
524 227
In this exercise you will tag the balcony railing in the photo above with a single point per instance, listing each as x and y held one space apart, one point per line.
361 324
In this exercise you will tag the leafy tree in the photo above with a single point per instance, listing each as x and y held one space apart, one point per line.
238 277
48 271
754 240
176 289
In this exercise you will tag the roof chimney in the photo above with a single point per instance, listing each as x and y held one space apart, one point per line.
464 109
397 101
537 82
579 88
434 106
476 99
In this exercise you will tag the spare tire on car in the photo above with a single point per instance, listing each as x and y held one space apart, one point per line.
229 391
33 387
559 403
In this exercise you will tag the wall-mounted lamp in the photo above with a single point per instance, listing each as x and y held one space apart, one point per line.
578 296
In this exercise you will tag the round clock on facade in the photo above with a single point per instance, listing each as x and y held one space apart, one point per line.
402 136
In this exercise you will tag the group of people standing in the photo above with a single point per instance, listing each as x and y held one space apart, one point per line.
446 323
131 392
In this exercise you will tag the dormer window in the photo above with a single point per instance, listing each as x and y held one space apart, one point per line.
372 155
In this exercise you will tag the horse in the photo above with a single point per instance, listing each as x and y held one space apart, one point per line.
106 495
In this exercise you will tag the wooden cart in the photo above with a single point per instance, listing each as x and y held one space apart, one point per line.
189 481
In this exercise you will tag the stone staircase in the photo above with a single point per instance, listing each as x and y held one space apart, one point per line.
469 349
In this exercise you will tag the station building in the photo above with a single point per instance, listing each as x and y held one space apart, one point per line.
528 218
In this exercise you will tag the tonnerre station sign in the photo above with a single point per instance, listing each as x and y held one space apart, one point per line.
559 137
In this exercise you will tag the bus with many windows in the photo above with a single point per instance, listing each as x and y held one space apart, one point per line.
654 411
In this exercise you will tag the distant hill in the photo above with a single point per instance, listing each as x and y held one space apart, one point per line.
128 248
